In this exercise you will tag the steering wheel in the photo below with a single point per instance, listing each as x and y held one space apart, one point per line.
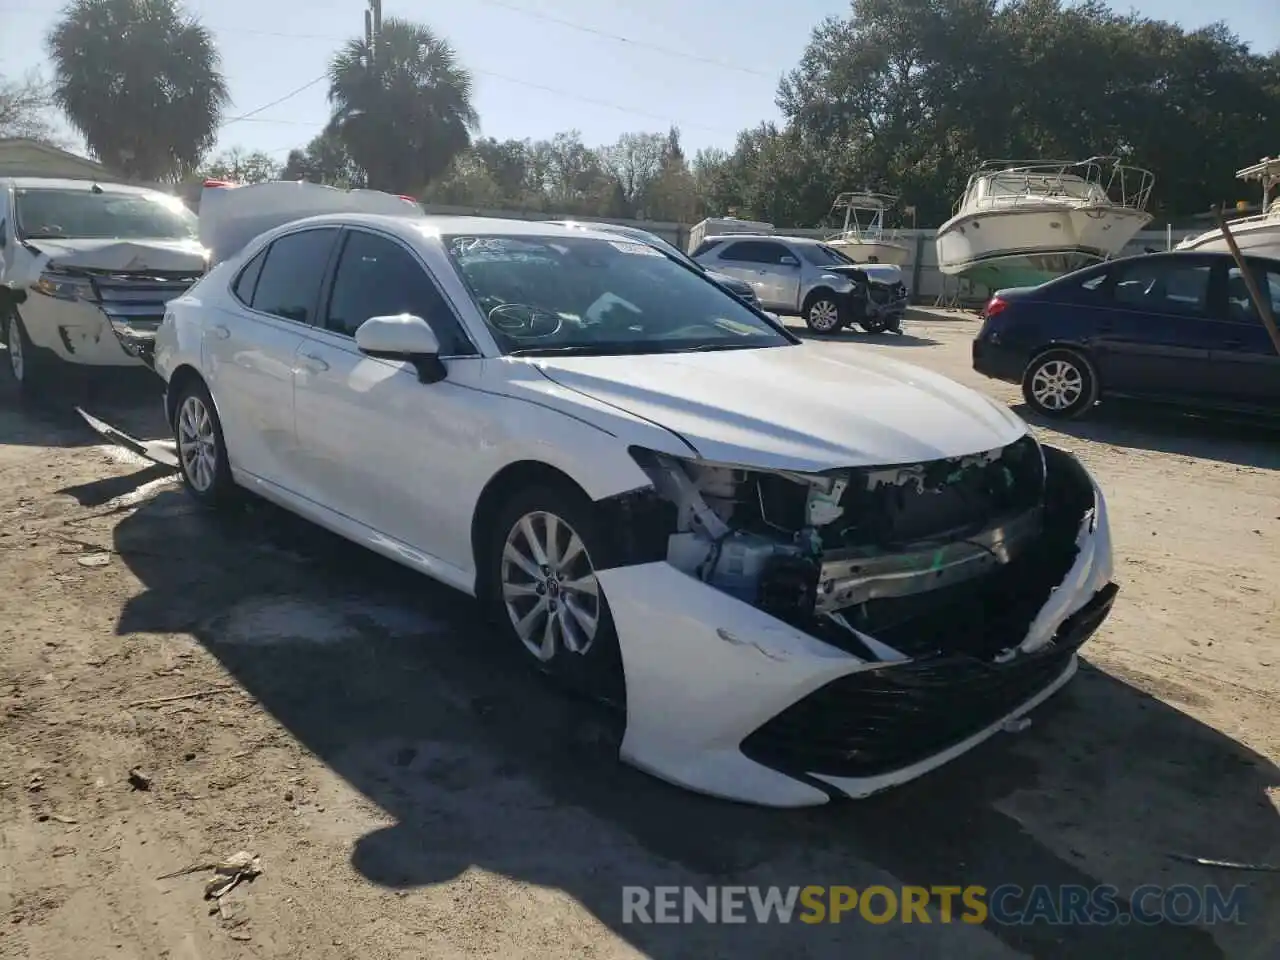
524 322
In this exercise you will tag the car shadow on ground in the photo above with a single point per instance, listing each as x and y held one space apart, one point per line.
481 763
130 399
1139 426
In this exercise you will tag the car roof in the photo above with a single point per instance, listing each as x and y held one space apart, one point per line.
60 183
443 225
761 236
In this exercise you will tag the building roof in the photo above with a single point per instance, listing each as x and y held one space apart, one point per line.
21 157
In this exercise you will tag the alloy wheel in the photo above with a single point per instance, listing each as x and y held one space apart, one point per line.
13 341
549 586
197 444
824 316
1057 384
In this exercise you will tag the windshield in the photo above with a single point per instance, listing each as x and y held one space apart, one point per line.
581 295
50 214
819 254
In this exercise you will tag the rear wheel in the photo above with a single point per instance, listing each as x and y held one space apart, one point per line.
540 583
1060 384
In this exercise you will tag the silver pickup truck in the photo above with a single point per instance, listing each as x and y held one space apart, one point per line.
86 269
808 278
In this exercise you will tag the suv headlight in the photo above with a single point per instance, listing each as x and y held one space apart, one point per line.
64 286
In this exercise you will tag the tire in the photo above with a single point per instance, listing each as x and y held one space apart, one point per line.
202 452
824 313
29 366
548 621
874 324
1060 384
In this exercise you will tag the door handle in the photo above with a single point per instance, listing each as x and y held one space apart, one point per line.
221 332
314 362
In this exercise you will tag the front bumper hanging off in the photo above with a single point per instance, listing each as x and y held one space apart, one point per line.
726 699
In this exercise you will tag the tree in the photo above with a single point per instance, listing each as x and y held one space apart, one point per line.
25 109
323 160
402 106
635 162
673 195
141 81
241 166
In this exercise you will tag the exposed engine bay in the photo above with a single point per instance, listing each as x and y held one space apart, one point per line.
947 556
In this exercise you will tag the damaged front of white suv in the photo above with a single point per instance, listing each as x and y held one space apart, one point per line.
817 635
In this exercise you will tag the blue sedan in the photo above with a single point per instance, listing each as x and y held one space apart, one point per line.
1168 327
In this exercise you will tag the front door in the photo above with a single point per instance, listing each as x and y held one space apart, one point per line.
1154 329
380 447
248 351
1244 360
772 270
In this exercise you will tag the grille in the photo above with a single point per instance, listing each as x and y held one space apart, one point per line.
879 721
139 299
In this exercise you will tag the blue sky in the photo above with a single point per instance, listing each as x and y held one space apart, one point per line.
709 67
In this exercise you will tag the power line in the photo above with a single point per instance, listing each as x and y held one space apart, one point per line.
274 103
645 44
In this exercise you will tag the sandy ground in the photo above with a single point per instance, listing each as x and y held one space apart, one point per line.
413 792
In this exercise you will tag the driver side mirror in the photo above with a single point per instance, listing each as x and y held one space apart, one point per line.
403 337
788 261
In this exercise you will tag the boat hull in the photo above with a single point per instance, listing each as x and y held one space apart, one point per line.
1033 244
1254 239
872 251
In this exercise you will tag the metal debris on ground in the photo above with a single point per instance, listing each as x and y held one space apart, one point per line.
94 560
227 873
139 780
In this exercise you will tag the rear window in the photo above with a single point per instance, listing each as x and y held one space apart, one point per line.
51 214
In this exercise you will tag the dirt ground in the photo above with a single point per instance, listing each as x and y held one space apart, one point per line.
413 792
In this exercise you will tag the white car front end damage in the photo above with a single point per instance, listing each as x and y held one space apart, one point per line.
816 630
99 303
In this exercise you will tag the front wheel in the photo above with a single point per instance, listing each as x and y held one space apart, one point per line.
202 452
29 366
1060 384
540 583
823 314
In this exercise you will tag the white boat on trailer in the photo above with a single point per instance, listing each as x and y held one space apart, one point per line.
864 238
1021 223
1258 235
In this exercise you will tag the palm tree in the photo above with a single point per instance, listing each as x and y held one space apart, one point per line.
402 106
141 81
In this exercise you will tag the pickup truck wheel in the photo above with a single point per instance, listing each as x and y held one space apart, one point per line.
824 314
29 366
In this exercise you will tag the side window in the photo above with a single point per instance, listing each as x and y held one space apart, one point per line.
755 251
704 247
248 279
1240 306
289 282
377 277
1163 286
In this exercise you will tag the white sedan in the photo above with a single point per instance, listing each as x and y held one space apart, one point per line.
801 575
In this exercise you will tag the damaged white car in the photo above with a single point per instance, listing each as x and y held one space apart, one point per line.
802 575
86 269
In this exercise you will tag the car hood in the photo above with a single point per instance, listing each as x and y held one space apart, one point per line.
123 254
799 408
886 273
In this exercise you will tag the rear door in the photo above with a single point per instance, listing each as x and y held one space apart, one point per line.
1245 363
1155 325
249 351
